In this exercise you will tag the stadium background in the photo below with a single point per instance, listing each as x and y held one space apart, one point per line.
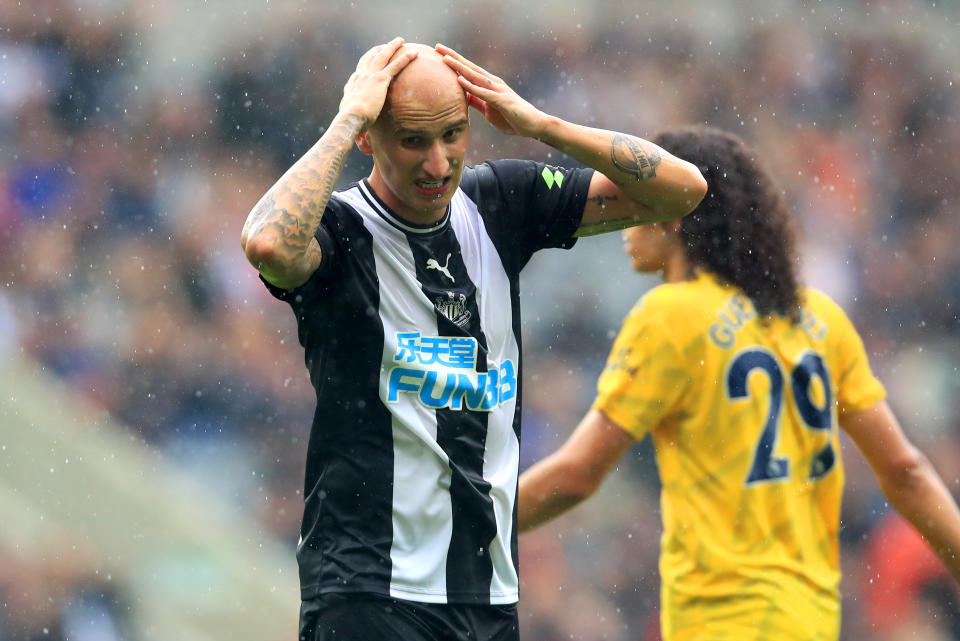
154 402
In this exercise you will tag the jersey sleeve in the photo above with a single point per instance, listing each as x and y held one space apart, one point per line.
857 388
527 205
326 238
644 377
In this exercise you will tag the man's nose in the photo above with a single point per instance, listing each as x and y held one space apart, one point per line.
436 163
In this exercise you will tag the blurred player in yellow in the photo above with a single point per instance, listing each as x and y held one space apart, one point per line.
742 378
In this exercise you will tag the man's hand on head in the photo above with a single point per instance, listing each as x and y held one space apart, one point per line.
366 90
493 98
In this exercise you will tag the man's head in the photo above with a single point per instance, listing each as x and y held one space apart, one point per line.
653 247
741 231
420 139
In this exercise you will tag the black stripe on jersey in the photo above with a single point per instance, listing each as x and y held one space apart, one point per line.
461 433
349 476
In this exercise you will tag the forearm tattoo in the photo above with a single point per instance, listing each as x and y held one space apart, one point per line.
632 157
294 206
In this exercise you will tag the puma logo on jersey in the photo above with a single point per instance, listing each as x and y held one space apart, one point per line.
433 264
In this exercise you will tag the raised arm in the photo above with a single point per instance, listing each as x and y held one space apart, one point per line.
571 474
278 236
636 181
908 480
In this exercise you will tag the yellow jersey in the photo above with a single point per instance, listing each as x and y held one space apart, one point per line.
743 415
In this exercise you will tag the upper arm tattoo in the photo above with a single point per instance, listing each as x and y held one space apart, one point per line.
294 206
602 199
632 157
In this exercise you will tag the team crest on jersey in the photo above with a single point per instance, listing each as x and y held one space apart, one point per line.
454 307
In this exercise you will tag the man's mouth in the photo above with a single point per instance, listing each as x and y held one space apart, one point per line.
432 187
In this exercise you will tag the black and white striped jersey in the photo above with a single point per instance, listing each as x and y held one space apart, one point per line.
412 341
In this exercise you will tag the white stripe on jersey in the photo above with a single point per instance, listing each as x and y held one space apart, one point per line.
496 321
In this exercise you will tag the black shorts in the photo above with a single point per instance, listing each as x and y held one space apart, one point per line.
359 617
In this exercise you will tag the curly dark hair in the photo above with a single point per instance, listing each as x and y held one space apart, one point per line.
741 231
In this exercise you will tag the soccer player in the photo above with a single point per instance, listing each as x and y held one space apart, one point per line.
405 290
742 377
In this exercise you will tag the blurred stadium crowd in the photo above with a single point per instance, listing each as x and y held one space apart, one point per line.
121 203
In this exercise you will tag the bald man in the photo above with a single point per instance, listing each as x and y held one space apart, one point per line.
405 290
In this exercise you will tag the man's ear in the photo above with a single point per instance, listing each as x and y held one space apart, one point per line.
363 143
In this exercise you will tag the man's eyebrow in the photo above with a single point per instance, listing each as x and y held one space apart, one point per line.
406 131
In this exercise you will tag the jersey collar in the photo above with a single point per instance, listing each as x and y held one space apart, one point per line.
388 214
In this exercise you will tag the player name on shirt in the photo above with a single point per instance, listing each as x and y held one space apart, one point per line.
738 310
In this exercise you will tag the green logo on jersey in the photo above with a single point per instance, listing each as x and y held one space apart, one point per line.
551 177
